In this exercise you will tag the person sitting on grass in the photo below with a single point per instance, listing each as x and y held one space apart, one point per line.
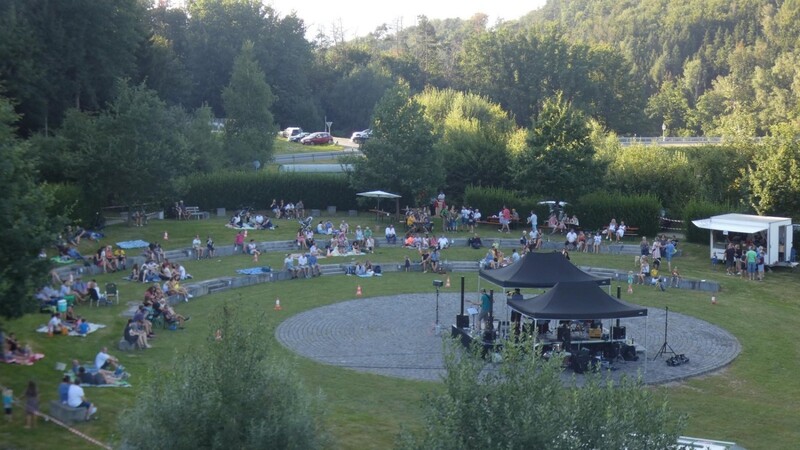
55 326
134 335
475 242
172 317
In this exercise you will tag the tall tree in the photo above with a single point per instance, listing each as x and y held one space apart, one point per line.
250 127
774 174
232 391
557 159
132 152
27 229
399 156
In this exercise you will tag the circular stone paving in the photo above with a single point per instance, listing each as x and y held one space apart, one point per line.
396 336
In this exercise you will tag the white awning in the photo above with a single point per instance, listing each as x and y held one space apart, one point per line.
724 225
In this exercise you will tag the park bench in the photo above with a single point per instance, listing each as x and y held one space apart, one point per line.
193 212
629 231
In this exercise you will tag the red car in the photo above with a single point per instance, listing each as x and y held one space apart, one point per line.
317 138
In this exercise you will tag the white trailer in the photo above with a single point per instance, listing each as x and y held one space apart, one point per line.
775 232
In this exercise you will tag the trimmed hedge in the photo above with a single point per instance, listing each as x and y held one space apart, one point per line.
234 190
701 209
595 211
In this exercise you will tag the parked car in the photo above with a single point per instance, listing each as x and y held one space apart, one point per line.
320 137
291 131
297 137
359 137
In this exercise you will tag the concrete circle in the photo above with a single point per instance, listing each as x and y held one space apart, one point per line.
396 336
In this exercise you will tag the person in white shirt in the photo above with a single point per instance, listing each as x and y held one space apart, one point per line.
104 358
391 235
54 325
444 242
302 264
288 264
571 238
533 219
197 245
514 256
76 398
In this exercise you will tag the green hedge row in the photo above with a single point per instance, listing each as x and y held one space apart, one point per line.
701 209
234 190
596 210
490 201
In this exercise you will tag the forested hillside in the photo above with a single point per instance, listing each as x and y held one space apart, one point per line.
135 84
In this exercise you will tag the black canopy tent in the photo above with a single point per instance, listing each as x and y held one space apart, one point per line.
539 270
582 300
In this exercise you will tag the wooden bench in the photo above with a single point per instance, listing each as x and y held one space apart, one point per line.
193 212
629 231
496 222
66 413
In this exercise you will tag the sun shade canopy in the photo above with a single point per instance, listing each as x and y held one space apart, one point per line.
539 270
583 300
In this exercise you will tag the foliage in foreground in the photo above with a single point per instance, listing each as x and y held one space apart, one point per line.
522 403
233 392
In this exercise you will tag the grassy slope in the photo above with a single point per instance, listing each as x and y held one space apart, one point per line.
753 402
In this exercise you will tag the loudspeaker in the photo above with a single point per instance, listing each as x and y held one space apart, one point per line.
462 321
617 332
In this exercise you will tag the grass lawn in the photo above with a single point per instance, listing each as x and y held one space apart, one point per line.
753 402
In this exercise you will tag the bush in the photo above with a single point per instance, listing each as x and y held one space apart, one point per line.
597 209
257 189
70 202
701 209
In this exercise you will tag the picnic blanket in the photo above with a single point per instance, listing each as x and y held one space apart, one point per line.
116 383
243 227
62 260
132 244
254 270
92 328
23 360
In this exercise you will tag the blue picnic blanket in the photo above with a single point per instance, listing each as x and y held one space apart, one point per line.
132 244
254 270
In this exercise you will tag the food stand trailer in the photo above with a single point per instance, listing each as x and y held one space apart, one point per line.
774 232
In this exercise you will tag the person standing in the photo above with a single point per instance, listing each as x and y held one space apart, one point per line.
8 404
486 308
669 251
751 257
31 404
730 258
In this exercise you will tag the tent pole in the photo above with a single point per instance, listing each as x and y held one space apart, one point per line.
646 333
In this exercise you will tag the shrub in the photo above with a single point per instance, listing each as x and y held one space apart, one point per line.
700 209
257 189
597 209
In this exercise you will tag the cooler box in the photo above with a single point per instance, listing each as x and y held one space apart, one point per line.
61 306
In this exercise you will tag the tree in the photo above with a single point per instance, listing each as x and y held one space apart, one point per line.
27 229
399 156
132 152
774 174
472 135
230 392
250 127
557 160
523 403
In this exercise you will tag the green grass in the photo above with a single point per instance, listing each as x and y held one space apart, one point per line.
754 401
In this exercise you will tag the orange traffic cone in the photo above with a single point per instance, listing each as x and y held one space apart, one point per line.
713 299
447 283
245 233
166 236
277 305
358 291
